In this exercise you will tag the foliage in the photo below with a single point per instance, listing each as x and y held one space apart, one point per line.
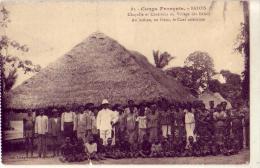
231 78
242 46
201 68
242 43
10 64
231 89
161 60
196 73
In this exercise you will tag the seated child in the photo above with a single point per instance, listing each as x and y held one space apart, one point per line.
110 150
134 150
67 151
170 152
156 149
165 146
181 145
205 147
188 152
213 147
125 147
117 150
197 147
223 148
100 149
220 144
232 146
91 148
145 148
177 148
236 146
80 154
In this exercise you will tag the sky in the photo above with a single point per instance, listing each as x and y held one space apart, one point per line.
52 28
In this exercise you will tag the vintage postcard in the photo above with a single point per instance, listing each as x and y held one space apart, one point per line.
125 82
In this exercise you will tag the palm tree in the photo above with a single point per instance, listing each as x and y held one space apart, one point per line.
161 60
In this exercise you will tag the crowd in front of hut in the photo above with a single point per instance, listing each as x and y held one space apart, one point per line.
155 129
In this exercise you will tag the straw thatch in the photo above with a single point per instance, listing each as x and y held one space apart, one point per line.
216 97
95 69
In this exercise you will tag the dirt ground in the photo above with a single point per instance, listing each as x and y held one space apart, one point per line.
18 158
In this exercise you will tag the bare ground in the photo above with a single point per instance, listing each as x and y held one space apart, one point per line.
17 158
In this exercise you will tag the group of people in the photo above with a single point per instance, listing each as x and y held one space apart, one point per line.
156 129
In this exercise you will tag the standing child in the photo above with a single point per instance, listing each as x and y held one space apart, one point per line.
142 124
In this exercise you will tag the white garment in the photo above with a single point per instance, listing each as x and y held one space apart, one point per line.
142 121
189 125
104 118
190 132
166 130
81 117
104 135
91 148
68 117
189 118
41 124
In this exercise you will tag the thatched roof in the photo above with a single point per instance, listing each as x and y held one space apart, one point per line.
95 69
216 97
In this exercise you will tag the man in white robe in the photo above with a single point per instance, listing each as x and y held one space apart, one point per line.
106 119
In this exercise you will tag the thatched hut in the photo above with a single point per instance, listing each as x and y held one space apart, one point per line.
95 69
208 96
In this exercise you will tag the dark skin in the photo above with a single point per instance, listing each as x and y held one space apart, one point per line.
211 104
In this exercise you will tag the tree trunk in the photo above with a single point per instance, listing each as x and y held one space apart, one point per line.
246 81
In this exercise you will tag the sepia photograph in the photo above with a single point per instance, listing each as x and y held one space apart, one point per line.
125 82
